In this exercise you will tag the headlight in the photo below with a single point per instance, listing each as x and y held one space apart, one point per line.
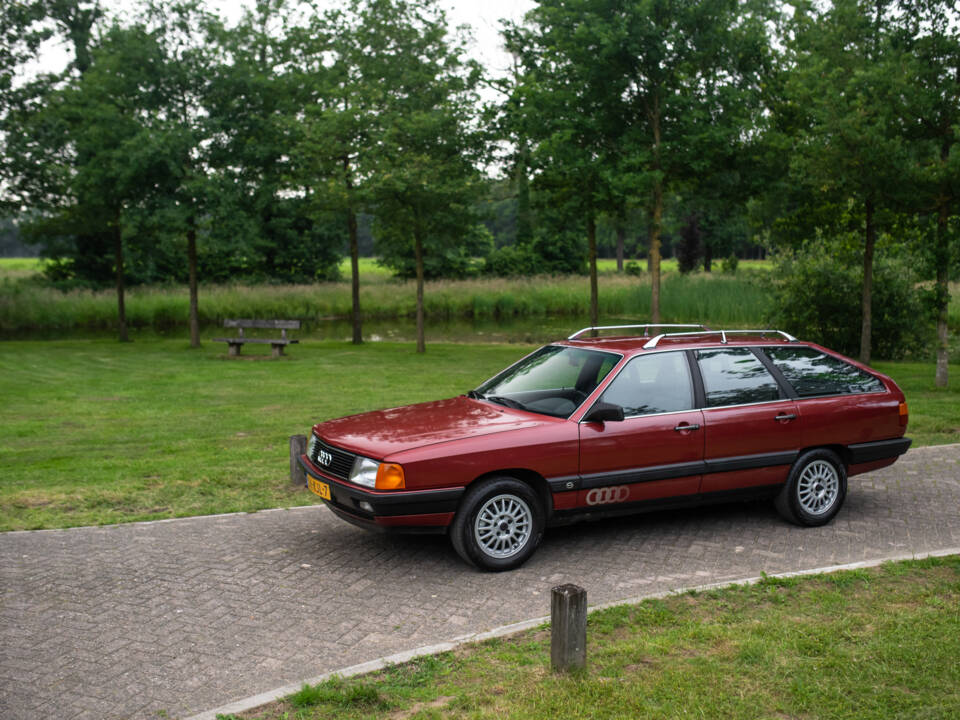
311 445
380 476
364 472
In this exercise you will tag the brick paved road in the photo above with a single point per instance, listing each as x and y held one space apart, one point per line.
183 616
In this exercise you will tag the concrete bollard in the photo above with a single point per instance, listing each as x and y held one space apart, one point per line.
568 628
298 446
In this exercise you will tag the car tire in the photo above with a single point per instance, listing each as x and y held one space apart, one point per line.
499 524
815 489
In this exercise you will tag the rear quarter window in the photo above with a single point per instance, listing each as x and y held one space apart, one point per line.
813 373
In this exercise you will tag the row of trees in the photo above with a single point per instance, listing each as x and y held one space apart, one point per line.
174 140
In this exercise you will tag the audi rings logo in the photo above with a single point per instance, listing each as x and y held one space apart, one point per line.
324 458
607 495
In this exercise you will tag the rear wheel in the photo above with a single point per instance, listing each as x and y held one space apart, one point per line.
815 489
499 524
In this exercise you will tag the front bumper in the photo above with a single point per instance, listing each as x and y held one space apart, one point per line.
418 511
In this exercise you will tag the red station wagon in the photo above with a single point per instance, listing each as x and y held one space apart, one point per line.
596 426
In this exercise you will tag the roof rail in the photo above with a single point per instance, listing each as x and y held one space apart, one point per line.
645 327
652 342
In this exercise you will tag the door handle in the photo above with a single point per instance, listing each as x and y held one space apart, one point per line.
682 427
784 417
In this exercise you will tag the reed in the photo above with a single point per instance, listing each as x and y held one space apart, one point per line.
711 299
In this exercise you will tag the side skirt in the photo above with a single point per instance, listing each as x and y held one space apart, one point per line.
575 515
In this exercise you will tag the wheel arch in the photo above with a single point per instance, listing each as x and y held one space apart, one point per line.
529 477
841 451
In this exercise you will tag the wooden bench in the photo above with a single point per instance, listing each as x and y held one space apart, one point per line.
236 343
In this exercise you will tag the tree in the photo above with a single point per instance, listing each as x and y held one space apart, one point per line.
423 174
340 126
928 107
185 34
851 149
650 94
256 102
85 153
563 106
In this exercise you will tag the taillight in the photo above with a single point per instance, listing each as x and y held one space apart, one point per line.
904 414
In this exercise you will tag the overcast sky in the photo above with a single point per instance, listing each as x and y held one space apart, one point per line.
483 16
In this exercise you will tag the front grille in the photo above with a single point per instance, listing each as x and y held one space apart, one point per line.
340 462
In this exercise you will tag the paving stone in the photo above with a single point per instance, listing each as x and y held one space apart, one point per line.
180 617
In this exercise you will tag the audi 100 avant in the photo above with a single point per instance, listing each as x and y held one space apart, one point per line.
600 425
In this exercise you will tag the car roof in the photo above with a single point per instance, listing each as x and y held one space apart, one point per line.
648 338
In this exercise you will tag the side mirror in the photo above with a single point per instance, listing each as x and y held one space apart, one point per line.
604 412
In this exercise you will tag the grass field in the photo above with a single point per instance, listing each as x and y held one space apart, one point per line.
97 432
863 644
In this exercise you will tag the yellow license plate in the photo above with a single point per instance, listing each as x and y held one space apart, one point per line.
320 488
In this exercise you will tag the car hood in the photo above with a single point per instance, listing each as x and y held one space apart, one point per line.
382 433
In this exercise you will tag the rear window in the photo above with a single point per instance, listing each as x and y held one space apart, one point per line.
735 377
813 373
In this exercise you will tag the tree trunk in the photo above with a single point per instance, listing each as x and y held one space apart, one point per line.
866 304
655 252
943 296
621 242
194 304
118 260
355 277
655 225
707 257
592 250
354 257
418 255
524 218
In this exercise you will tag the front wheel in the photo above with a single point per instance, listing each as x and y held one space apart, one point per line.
815 489
499 524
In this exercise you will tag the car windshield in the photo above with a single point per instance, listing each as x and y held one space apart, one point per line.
555 380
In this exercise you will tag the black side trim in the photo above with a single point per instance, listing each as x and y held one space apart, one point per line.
564 484
404 502
748 462
676 470
878 450
640 475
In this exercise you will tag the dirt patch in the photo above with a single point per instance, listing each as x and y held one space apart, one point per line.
440 702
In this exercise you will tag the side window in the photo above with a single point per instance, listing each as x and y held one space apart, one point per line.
650 384
813 373
735 377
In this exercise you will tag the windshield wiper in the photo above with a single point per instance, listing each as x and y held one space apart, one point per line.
475 395
509 402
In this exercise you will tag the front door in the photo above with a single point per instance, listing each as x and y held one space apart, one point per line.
656 452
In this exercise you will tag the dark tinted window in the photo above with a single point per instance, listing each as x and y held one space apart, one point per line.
735 377
554 380
813 373
652 384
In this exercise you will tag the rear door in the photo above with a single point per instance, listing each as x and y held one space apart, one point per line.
656 452
752 429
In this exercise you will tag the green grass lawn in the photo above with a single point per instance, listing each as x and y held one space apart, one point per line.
98 432
879 643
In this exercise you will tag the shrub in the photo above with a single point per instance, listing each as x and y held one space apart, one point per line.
818 298
511 261
633 268
729 265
